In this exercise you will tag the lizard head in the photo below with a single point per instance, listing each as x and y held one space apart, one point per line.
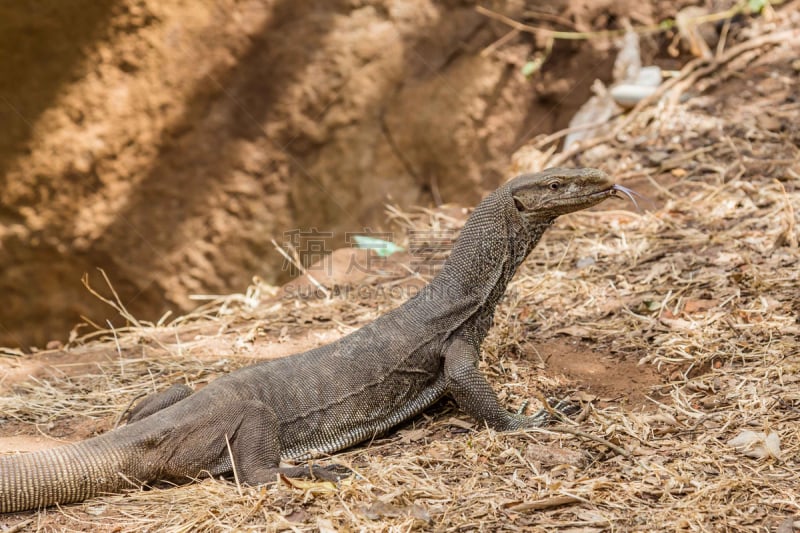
543 196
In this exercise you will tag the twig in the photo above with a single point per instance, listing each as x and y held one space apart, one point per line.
19 527
296 263
499 42
142 328
233 465
571 35
119 348
723 37
550 410
116 303
578 433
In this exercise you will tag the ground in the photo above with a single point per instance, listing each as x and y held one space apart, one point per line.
677 327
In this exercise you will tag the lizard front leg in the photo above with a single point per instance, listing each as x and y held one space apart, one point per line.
469 387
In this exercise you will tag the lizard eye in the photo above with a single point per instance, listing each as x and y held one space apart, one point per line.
554 186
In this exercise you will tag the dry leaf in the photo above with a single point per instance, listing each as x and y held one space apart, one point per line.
325 525
787 526
546 503
678 324
463 424
696 306
411 435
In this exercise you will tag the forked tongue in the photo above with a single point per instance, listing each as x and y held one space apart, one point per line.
631 194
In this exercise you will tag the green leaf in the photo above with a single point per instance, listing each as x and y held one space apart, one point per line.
756 6
530 67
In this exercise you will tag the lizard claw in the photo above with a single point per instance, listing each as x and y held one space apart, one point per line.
333 472
558 410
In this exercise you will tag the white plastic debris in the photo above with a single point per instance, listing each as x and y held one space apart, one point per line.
757 445
632 83
592 118
628 94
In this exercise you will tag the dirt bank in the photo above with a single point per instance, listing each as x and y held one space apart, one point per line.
168 142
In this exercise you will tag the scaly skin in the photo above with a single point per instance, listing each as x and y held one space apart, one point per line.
334 396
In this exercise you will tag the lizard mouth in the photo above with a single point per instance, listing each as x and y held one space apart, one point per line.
613 191
597 195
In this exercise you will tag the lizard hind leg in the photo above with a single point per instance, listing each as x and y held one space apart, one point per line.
256 451
153 403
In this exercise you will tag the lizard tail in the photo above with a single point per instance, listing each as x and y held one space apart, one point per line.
66 474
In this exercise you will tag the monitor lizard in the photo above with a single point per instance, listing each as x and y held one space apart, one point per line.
332 397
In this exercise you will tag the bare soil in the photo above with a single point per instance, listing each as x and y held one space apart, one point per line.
605 378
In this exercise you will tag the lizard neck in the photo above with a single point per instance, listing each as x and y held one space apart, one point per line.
493 243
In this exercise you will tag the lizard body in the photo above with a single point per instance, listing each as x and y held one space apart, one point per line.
334 396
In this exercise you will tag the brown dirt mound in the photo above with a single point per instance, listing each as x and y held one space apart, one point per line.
168 143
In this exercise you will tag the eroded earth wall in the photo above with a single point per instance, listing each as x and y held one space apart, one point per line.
168 142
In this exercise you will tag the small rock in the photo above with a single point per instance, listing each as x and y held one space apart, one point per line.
54 345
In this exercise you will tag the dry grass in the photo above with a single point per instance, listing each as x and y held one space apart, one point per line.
704 286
